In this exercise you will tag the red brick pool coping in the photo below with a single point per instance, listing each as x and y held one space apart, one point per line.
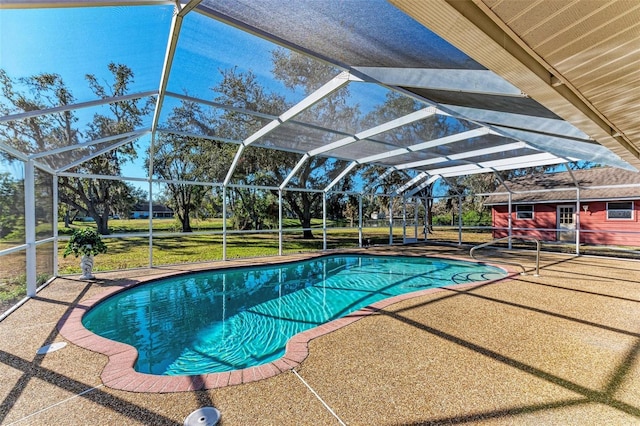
120 374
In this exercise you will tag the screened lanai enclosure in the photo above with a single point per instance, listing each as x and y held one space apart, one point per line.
208 130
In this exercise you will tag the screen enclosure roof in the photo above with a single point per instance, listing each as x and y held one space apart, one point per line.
425 97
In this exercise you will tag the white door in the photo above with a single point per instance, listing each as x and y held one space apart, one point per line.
566 223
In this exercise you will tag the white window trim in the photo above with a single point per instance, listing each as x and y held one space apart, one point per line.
632 210
533 209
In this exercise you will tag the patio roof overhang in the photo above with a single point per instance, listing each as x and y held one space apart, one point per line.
521 109
577 59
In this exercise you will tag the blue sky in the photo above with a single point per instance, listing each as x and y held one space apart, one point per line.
74 42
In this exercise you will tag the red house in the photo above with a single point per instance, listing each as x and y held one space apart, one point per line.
601 205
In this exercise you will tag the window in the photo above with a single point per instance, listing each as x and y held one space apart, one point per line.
524 211
622 210
566 215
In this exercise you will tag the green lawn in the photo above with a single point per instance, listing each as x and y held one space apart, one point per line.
168 249
171 247
133 252
125 226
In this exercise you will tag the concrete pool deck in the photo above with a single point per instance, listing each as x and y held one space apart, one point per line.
562 348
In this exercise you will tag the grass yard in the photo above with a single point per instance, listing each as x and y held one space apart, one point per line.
133 252
168 249
171 247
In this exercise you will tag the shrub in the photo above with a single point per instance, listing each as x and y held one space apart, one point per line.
86 242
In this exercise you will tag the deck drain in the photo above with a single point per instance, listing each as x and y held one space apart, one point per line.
51 348
205 416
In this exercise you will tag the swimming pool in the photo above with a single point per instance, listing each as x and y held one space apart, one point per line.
237 318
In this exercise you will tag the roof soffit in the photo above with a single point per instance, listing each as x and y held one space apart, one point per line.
472 26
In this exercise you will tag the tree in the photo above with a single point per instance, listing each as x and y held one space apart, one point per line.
252 208
298 72
123 204
182 159
95 196
11 202
44 132
352 209
173 162
40 132
431 128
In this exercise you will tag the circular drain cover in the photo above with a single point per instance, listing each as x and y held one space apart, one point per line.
205 416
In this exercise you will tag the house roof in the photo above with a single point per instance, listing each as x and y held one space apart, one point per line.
144 207
602 183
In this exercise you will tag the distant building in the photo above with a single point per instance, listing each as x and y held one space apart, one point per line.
545 207
141 211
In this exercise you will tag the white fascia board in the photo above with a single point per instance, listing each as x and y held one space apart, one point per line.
454 80
384 127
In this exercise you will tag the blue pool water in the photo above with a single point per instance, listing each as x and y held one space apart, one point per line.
237 318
